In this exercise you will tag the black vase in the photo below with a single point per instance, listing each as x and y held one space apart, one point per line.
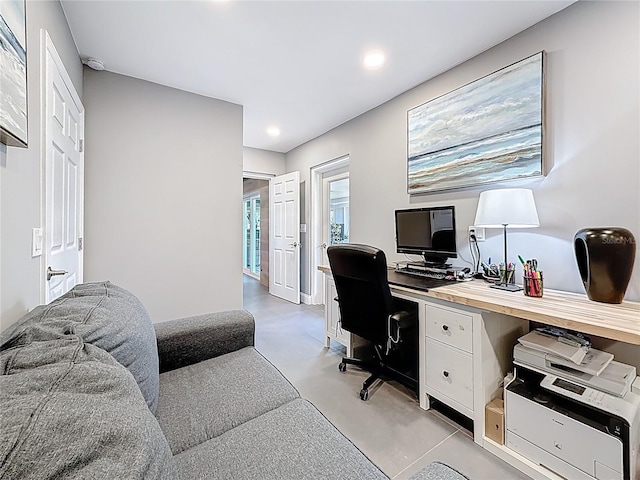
605 259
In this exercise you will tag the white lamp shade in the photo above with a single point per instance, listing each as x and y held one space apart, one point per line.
514 207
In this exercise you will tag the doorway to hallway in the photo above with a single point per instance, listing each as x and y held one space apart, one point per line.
255 233
251 237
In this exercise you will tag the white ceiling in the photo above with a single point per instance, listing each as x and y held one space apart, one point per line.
294 64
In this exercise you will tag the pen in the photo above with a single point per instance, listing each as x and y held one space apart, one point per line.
521 260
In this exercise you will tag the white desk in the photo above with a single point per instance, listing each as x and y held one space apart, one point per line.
467 333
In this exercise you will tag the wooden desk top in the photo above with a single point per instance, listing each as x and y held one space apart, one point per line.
563 309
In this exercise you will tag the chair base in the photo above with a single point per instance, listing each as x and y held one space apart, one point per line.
379 370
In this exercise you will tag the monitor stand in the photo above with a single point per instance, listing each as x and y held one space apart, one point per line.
435 261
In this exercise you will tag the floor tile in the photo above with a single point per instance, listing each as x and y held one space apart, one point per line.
468 458
390 428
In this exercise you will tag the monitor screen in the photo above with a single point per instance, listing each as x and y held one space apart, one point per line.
430 232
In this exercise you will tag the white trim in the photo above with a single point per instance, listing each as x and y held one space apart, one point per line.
315 252
306 299
257 175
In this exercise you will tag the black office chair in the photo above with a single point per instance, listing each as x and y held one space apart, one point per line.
368 310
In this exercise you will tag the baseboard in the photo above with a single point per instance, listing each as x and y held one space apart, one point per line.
306 299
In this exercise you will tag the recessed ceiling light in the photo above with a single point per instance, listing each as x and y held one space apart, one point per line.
273 131
373 60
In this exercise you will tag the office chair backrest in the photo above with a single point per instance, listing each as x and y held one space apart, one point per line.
443 240
364 297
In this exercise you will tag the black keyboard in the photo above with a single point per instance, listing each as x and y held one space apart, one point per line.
426 274
416 282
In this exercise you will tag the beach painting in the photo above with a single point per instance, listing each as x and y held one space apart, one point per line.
484 132
13 73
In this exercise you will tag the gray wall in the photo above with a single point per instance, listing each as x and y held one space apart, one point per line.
592 135
20 170
263 162
593 120
163 182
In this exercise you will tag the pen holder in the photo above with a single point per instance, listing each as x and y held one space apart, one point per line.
507 275
533 285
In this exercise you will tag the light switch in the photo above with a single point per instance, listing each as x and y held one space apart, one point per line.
36 242
303 228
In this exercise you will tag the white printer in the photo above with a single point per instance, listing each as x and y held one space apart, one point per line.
578 420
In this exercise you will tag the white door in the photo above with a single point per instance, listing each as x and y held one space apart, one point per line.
64 178
284 236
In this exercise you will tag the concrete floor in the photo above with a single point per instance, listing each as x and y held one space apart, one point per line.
390 428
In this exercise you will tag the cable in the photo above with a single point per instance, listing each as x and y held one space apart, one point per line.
475 252
390 338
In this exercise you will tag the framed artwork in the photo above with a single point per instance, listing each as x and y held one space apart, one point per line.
490 130
13 73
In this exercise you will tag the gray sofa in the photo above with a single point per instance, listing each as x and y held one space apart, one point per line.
90 388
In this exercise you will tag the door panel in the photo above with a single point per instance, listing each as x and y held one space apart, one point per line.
72 189
284 233
57 200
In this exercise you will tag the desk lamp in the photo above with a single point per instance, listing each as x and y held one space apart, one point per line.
508 207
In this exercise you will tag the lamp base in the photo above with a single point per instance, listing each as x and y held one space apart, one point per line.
509 287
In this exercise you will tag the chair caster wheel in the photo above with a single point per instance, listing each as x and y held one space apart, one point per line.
342 367
364 395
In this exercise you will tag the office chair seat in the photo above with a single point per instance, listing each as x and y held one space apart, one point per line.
368 309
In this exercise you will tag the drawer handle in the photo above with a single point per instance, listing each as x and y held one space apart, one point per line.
445 327
445 373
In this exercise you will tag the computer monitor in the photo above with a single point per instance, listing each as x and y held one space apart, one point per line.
430 232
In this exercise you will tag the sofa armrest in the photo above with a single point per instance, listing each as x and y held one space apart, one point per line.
193 339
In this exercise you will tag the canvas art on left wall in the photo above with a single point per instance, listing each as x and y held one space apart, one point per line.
13 73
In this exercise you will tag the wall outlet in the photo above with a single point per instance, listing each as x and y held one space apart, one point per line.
478 232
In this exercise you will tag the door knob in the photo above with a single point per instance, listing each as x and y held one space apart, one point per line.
52 273
295 244
323 246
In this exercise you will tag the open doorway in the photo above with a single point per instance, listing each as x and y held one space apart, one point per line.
255 238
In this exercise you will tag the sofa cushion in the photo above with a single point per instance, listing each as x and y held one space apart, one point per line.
70 410
106 316
273 445
438 471
201 401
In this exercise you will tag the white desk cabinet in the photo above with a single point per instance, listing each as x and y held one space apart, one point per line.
449 356
467 353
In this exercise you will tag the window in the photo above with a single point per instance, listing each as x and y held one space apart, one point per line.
251 236
338 204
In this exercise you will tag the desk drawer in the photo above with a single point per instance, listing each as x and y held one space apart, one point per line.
449 327
450 372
